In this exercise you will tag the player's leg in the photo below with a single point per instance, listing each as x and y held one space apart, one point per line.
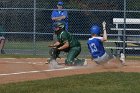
71 57
122 59
72 54
115 61
103 59
2 43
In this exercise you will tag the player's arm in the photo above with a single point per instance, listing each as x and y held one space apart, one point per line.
65 42
63 16
58 18
66 45
56 44
104 31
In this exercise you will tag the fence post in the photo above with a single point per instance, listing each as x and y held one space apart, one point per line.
34 33
124 31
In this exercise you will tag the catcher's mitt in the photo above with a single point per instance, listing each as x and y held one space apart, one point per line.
54 53
52 46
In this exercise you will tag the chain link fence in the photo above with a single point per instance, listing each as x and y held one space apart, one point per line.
27 24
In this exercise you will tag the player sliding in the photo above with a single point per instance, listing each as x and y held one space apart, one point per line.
67 43
96 48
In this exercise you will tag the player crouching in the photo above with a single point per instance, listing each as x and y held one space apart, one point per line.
96 48
67 43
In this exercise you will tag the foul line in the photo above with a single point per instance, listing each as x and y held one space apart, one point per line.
38 71
36 63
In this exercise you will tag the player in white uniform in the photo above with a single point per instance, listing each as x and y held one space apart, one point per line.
95 45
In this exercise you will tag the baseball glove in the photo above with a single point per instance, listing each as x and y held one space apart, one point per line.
54 53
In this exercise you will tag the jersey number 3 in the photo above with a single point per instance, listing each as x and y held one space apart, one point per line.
93 47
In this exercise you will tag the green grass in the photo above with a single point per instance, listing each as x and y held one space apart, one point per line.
133 57
27 45
40 45
109 82
43 46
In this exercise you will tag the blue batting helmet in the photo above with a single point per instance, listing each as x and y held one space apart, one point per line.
95 29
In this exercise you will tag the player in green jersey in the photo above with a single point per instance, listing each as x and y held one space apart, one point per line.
2 40
67 43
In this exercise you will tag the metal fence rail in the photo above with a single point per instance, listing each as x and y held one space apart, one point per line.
27 23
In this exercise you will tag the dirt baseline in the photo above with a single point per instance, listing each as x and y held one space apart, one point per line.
24 69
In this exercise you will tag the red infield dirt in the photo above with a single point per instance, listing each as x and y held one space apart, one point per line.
25 69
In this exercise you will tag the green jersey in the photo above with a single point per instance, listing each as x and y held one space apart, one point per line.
65 36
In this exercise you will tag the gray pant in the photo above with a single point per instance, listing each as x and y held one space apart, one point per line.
103 59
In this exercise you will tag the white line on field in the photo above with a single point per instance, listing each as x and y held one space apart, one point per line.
37 63
38 71
8 58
